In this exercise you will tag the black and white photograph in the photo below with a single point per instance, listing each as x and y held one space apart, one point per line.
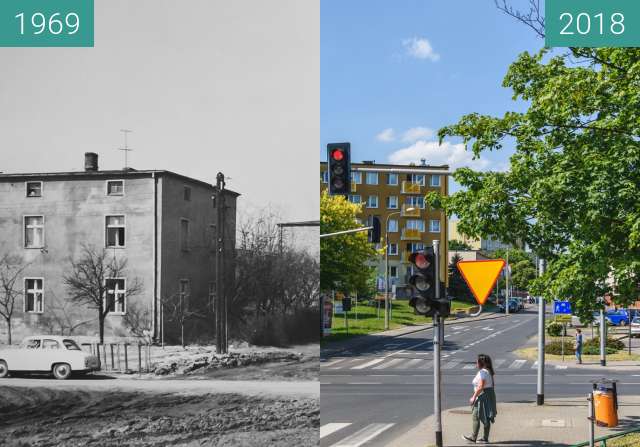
159 250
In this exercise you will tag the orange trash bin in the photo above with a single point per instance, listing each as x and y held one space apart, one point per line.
605 408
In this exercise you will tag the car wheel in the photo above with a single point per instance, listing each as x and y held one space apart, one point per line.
4 369
61 371
623 323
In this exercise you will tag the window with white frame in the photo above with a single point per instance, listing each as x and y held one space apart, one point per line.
393 226
415 224
415 201
393 271
372 202
184 235
115 231
34 295
356 177
34 231
435 180
412 247
183 293
392 179
416 178
115 187
392 202
434 226
324 176
372 178
393 249
34 189
115 301
355 198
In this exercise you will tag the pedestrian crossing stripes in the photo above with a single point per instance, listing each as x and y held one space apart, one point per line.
356 439
411 363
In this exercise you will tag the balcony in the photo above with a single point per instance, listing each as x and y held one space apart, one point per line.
410 234
410 210
353 186
405 256
410 187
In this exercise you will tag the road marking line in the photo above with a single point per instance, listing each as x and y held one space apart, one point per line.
498 362
451 364
535 365
411 363
517 364
332 362
388 364
469 366
333 427
561 366
364 435
368 364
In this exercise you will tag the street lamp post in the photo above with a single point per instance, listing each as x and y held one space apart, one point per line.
386 267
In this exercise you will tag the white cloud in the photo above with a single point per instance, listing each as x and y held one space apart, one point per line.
417 133
386 135
453 155
420 48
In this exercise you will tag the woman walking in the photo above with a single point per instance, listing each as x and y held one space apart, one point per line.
483 400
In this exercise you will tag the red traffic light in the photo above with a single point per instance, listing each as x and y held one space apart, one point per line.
419 260
337 154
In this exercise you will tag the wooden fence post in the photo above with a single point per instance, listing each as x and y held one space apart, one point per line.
104 355
113 366
126 359
139 358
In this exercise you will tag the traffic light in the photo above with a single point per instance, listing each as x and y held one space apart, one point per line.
374 233
423 282
339 156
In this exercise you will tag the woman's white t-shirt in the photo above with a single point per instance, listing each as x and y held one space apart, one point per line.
483 374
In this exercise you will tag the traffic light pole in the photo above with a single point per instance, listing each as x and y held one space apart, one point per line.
541 316
438 330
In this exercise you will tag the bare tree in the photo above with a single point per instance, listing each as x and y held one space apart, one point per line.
93 281
139 320
11 267
179 309
534 18
62 317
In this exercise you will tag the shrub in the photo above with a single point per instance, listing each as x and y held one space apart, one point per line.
555 347
612 343
554 329
595 350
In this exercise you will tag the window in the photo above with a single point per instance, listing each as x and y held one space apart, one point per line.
393 226
393 249
372 202
184 235
414 224
115 231
392 179
115 187
116 294
33 295
34 189
356 177
392 202
355 198
393 271
372 178
415 246
50 344
34 231
212 294
187 193
415 201
434 226
324 176
435 180
183 292
416 178
71 345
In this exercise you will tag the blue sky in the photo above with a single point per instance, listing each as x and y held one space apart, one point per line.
413 66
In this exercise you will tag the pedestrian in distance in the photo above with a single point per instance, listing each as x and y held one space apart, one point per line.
579 346
483 400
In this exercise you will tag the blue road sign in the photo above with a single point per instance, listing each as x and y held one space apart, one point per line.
561 307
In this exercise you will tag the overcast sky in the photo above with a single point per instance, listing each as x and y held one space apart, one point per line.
206 86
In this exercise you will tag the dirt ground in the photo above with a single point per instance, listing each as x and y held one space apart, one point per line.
38 416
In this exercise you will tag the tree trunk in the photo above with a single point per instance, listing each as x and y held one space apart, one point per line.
101 324
182 332
8 330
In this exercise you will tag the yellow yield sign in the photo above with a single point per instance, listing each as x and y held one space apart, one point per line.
481 276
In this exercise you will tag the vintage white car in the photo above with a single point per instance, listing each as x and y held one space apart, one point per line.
47 353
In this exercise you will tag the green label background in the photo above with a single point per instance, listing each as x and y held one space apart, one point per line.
629 8
10 26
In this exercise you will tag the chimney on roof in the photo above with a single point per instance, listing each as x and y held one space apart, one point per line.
90 161
423 162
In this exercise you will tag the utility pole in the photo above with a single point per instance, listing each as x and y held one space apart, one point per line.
603 339
126 149
541 316
222 344
438 338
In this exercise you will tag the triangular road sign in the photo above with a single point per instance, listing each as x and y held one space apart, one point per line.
481 276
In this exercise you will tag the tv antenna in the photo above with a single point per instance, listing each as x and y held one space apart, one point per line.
126 149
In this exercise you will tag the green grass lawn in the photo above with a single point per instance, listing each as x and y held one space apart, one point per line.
367 319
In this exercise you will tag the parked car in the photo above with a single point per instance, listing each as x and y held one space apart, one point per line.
618 317
513 306
54 354
635 326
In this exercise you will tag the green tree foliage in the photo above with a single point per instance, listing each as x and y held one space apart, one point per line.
523 267
458 288
343 259
456 245
573 187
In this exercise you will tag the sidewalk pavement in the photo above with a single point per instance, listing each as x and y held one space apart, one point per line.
337 347
559 422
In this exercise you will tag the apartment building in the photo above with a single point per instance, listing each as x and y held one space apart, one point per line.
162 223
395 194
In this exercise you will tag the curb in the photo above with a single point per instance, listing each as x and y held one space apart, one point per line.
419 329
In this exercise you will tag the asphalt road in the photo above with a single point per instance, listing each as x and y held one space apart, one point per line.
372 395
